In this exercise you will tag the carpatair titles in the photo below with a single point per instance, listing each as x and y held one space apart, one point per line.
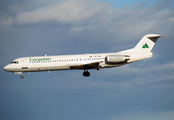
39 59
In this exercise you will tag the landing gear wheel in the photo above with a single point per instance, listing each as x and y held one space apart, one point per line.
21 77
86 73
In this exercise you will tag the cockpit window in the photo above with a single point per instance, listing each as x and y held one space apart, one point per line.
14 62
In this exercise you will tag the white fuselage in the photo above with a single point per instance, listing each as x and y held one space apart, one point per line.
64 62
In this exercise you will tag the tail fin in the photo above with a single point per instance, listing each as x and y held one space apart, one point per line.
147 43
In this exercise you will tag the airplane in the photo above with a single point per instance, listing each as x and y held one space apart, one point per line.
84 61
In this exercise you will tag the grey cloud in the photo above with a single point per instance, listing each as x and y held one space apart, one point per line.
68 11
94 16
14 8
6 22
130 69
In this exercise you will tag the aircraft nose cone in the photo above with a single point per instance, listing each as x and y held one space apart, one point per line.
7 68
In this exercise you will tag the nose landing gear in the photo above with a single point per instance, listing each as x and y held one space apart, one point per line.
21 76
86 73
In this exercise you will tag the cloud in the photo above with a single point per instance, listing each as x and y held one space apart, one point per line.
70 11
15 8
95 15
142 69
141 75
6 22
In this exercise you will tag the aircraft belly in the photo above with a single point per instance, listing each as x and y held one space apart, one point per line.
47 68
40 68
58 68
111 65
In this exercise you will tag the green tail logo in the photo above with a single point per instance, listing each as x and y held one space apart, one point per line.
145 46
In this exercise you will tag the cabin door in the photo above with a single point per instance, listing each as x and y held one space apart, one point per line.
24 63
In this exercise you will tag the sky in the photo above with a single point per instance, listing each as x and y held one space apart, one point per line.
141 90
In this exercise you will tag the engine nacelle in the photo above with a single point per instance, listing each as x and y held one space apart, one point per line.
117 58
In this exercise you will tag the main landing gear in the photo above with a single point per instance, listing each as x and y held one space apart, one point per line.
86 73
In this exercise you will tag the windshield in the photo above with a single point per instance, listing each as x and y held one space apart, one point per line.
14 62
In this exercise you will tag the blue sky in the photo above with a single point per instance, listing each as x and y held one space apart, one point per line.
123 3
141 90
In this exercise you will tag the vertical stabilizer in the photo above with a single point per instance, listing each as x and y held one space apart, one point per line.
147 43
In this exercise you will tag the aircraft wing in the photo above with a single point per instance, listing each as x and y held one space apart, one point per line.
93 65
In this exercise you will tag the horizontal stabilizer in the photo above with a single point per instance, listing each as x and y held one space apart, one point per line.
153 36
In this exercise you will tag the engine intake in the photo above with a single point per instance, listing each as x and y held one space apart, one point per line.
117 58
